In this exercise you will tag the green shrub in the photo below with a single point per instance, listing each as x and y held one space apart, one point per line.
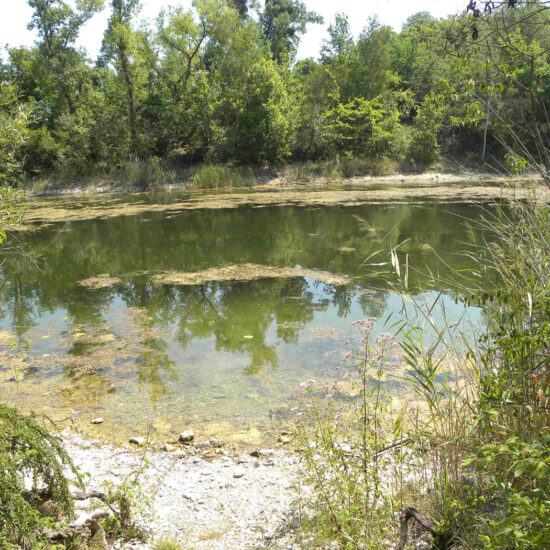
29 452
41 152
145 174
213 176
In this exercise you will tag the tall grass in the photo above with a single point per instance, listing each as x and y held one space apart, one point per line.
338 168
145 175
214 176
471 446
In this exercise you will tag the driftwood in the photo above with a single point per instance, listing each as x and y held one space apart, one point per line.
42 494
78 494
441 541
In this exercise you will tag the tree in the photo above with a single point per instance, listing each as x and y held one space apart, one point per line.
419 18
254 117
58 25
361 127
179 105
119 47
13 127
283 23
241 6
341 40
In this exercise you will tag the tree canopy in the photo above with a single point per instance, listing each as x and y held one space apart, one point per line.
221 82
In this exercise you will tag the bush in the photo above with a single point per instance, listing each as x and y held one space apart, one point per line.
145 175
213 176
41 152
29 452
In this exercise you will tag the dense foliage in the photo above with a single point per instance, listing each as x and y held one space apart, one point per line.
220 83
29 455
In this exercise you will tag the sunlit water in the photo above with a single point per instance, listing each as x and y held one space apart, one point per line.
221 357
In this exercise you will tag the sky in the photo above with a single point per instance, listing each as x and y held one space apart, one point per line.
16 15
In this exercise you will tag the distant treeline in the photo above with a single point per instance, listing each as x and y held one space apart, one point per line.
220 83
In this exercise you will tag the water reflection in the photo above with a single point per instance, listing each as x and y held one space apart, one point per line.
236 348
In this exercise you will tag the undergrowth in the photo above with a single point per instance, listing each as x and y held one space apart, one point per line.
470 448
30 457
213 176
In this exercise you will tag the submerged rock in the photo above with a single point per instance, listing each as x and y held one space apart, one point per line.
98 420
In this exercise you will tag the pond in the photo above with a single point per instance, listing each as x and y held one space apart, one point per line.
138 316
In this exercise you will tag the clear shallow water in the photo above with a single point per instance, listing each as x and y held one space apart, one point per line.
223 357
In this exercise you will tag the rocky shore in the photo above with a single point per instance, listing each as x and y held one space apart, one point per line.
200 497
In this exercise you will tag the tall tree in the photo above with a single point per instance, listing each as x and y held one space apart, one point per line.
119 47
241 6
58 26
283 23
57 23
341 40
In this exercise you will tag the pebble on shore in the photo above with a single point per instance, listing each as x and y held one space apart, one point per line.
187 436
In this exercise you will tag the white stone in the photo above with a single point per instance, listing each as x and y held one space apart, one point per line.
187 436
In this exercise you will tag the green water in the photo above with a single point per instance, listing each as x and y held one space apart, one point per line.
222 357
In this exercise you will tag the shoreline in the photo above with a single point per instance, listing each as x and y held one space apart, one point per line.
225 501
92 205
44 189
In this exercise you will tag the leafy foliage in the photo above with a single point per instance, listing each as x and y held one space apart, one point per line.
215 84
28 453
13 126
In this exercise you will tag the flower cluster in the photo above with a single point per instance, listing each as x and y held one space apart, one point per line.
386 339
365 326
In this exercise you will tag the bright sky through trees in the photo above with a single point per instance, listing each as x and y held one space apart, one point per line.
13 24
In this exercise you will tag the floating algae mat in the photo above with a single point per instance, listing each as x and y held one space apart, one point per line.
206 318
247 272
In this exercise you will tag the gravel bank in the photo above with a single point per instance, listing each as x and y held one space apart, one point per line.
224 502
